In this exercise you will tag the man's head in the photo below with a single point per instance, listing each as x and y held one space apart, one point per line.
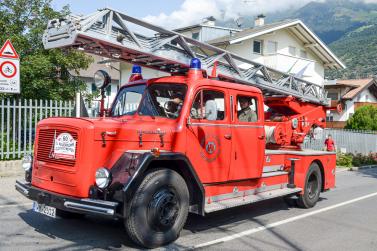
245 102
329 136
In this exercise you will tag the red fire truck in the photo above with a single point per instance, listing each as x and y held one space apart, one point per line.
190 142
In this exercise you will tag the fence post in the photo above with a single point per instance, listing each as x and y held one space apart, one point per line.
2 129
8 126
25 124
19 128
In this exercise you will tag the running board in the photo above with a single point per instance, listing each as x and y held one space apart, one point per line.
272 174
243 200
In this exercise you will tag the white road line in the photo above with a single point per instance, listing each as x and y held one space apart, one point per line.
278 223
16 205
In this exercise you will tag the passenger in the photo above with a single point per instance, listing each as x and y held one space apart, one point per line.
246 114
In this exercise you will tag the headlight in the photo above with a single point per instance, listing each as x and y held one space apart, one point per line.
103 177
27 161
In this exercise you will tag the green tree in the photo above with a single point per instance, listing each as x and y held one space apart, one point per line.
44 73
365 118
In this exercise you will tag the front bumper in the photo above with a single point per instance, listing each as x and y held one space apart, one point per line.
66 203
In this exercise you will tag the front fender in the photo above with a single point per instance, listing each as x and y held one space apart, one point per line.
126 180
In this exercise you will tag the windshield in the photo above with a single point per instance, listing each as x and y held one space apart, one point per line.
163 100
127 101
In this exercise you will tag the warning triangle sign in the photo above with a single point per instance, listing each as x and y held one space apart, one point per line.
8 51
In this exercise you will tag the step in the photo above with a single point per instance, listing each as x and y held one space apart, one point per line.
271 174
243 200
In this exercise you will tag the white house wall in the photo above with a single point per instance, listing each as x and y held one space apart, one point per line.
282 60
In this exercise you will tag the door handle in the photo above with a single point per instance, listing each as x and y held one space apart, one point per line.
261 137
228 136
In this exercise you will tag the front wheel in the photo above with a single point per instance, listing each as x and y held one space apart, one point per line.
158 210
312 189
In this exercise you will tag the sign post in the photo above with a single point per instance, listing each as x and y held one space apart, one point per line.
9 69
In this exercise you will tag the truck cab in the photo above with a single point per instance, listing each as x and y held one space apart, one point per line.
169 146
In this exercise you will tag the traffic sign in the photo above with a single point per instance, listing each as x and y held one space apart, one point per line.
9 69
8 51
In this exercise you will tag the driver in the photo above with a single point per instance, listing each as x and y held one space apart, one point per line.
174 105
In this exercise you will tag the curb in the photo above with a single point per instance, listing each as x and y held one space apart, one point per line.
355 168
11 168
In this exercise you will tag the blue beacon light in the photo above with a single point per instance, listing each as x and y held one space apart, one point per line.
195 64
136 69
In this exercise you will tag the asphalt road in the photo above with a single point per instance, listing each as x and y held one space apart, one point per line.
344 219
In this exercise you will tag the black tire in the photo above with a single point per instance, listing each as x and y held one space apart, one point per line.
312 189
68 215
158 210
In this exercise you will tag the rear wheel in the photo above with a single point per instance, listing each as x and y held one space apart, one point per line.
312 189
158 210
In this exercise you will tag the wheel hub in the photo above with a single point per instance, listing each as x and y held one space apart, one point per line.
312 187
163 210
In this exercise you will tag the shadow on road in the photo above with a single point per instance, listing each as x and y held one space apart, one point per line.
91 232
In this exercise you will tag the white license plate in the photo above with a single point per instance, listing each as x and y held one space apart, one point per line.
43 209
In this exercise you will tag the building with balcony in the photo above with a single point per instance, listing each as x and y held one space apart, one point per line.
288 46
350 95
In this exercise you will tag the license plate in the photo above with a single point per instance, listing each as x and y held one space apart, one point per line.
43 209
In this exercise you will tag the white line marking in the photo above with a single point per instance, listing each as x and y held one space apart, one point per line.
278 223
16 205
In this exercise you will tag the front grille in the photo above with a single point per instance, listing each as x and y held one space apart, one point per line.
45 147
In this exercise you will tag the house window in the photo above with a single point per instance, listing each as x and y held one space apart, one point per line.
195 35
303 54
272 47
292 50
257 46
330 118
332 95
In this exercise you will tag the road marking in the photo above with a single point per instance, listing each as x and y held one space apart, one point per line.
282 222
16 205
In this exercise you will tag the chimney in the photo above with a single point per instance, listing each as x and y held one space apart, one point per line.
259 20
210 21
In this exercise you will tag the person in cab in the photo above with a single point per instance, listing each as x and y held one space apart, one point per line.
246 114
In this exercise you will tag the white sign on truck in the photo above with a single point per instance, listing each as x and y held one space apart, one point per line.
9 69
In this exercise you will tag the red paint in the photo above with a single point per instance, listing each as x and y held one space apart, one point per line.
221 152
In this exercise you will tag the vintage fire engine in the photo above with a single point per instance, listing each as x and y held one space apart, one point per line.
199 141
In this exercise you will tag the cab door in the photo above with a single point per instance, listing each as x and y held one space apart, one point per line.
248 136
209 134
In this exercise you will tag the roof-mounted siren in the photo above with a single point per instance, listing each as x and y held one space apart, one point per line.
135 74
195 70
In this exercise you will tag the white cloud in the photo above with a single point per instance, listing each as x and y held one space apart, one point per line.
193 11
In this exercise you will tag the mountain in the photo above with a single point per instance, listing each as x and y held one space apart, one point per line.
350 30
348 27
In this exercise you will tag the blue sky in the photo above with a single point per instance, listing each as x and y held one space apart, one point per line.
136 8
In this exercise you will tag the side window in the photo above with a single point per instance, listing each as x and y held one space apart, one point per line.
247 109
208 105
